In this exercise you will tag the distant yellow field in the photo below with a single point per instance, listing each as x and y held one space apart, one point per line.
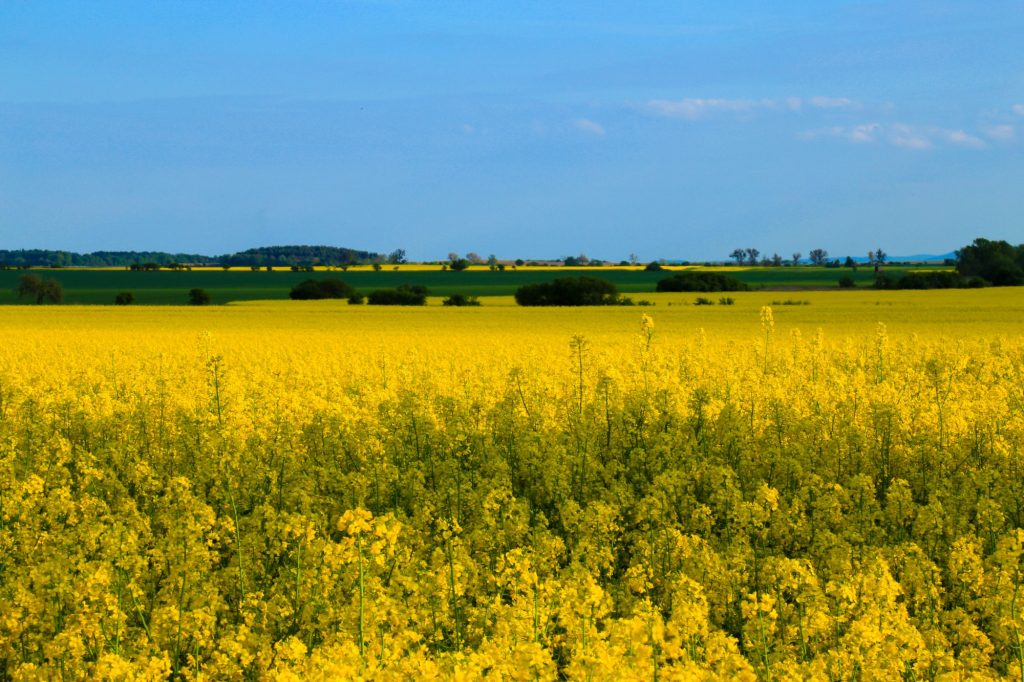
312 490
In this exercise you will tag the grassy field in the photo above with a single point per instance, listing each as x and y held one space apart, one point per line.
100 286
312 490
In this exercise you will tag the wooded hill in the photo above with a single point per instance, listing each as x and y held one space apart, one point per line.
264 255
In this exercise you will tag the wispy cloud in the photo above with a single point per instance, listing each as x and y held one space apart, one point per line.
589 127
820 102
899 135
961 138
1018 109
1003 132
694 108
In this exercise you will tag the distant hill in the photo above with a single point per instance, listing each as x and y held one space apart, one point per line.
262 256
300 255
96 259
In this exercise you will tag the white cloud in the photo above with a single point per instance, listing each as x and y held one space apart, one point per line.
693 108
590 127
859 134
1018 109
961 138
820 102
1002 133
901 135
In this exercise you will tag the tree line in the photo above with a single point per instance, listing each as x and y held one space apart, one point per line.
280 256
819 257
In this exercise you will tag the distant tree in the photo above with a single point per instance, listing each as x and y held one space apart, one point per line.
568 291
396 257
198 297
997 262
460 300
850 263
880 256
739 254
459 264
492 262
752 255
520 262
818 256
124 298
39 289
700 281
474 258
407 294
847 282
453 256
796 257
377 267
633 259
653 266
776 260
316 289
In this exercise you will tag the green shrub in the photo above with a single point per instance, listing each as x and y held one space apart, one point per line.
460 300
944 279
316 289
701 281
700 300
847 282
124 298
568 291
414 294
198 297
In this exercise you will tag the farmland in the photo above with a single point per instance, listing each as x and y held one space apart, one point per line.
100 286
828 490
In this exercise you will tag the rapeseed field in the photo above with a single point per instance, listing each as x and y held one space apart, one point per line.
804 486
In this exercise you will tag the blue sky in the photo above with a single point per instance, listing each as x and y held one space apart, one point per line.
532 129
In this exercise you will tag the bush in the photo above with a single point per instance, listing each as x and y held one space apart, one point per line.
460 300
701 281
653 266
124 298
847 282
700 300
198 297
926 280
458 265
316 289
42 290
356 298
726 300
995 261
415 294
568 291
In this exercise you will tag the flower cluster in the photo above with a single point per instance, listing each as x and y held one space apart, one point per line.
314 501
